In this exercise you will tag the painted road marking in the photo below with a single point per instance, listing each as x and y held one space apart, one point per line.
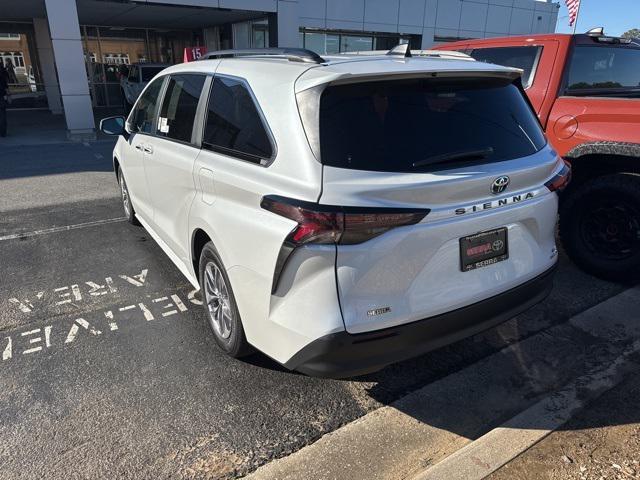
44 231
33 340
73 294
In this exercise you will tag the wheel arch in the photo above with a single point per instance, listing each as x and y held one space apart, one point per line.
199 238
591 160
116 167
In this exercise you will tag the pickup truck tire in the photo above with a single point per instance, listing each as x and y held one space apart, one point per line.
600 226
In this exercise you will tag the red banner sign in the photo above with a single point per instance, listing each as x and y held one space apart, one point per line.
193 53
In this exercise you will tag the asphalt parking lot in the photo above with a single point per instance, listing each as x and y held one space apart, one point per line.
107 366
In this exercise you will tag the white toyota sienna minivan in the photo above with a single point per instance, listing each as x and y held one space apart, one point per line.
343 213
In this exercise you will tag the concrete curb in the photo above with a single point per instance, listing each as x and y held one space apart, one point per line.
501 445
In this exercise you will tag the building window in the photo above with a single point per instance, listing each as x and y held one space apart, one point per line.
9 36
251 34
330 42
16 58
116 58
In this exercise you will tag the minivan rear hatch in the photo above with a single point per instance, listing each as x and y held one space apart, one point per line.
436 143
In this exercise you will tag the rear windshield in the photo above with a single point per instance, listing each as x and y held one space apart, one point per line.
149 72
422 124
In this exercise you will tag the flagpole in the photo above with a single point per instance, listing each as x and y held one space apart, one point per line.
575 24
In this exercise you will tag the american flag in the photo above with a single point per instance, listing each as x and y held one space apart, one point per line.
573 6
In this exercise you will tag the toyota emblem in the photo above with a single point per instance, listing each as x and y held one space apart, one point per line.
500 184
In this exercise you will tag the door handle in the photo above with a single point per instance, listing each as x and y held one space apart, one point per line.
139 147
148 149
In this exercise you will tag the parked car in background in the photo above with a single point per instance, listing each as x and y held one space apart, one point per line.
138 75
331 211
586 91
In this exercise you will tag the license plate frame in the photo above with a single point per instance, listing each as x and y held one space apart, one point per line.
484 249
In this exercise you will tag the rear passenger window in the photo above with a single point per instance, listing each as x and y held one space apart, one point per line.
524 58
179 106
605 71
234 125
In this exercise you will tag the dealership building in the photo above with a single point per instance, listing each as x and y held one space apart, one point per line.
65 55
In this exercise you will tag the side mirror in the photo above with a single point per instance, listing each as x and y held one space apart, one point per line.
113 126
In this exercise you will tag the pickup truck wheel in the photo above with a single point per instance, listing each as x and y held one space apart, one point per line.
220 304
127 206
600 226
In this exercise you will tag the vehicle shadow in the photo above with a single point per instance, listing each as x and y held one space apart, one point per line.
55 159
470 387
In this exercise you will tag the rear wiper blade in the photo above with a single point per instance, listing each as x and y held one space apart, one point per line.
447 157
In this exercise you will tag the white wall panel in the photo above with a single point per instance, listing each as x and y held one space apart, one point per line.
411 12
381 11
473 16
349 11
498 19
448 15
313 8
521 21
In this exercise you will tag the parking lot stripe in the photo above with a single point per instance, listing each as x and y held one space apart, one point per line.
44 231
419 431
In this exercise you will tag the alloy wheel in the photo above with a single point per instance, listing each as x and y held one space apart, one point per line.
125 197
217 299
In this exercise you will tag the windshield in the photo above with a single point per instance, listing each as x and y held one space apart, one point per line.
420 124
149 72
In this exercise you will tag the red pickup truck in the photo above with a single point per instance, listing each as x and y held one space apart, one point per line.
586 91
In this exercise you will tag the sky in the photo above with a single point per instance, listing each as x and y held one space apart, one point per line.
616 16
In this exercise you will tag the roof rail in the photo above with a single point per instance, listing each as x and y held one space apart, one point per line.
292 54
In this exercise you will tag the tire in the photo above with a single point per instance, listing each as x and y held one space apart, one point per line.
600 226
220 304
127 206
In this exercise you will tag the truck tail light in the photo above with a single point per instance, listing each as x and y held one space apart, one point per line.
560 181
328 224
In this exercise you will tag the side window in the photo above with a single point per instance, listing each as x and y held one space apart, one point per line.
133 74
234 125
525 58
142 117
596 70
179 106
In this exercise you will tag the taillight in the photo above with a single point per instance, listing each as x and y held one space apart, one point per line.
560 181
325 224
328 224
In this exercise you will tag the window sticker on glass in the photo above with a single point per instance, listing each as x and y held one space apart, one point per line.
164 125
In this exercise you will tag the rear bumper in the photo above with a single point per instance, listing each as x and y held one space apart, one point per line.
342 354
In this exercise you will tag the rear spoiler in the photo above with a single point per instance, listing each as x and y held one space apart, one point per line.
316 78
